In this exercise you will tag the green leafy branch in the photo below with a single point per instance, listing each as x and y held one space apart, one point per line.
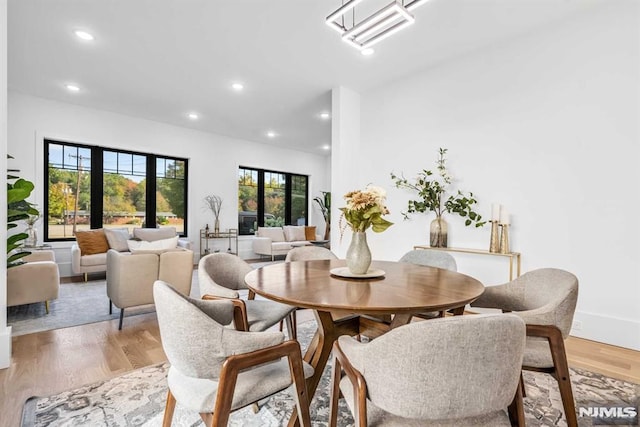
431 190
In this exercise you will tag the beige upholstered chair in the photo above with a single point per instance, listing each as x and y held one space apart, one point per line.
38 280
215 370
456 371
546 300
307 253
130 277
430 258
221 275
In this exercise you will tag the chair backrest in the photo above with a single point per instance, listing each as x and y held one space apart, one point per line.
307 253
193 334
551 292
430 258
226 270
447 368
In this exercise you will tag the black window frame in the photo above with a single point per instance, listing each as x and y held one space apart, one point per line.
96 172
288 197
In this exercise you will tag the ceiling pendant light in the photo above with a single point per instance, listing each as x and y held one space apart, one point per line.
374 28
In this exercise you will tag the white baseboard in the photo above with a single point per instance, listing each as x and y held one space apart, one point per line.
606 329
5 347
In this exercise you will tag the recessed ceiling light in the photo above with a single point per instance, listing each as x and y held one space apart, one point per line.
193 116
271 134
368 51
326 147
237 86
72 88
324 115
83 35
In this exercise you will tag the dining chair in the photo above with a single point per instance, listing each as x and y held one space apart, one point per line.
454 371
221 275
430 258
306 253
546 300
215 370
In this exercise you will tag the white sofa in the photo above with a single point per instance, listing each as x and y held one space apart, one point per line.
83 264
272 241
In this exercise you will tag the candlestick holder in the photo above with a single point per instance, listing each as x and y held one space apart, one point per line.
504 239
494 245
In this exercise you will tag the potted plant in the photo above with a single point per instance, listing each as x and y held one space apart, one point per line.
435 195
18 209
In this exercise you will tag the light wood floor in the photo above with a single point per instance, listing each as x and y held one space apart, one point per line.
48 362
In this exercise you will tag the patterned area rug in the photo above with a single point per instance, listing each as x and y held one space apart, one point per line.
137 399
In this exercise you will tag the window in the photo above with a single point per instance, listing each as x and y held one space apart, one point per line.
95 187
270 198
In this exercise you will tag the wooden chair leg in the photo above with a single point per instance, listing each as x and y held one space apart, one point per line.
168 410
516 408
86 276
335 393
524 389
46 306
564 382
207 418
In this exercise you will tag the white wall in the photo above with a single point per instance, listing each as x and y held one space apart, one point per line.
5 332
547 125
213 159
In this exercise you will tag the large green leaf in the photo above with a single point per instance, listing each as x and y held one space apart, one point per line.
12 261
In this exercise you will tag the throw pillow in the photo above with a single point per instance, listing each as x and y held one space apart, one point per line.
294 233
274 233
310 232
142 245
117 238
92 242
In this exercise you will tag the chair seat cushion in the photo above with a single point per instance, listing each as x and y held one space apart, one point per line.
537 353
262 314
96 259
199 394
377 417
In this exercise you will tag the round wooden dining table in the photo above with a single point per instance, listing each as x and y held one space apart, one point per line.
366 306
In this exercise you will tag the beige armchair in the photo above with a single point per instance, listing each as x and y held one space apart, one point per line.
130 277
38 280
455 371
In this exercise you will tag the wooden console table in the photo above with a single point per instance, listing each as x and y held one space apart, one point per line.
513 256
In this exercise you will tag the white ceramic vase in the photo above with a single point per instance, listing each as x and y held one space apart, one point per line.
358 254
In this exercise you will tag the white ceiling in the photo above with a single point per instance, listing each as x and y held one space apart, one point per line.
160 59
